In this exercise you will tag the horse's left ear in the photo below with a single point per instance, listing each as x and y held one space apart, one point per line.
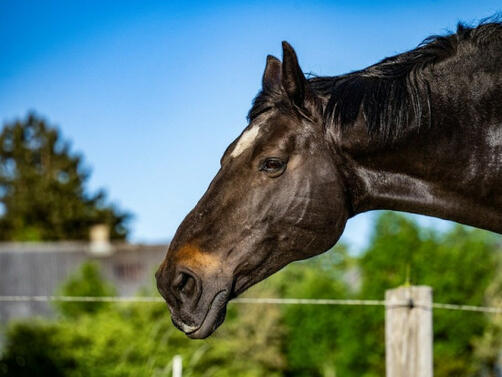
272 76
293 80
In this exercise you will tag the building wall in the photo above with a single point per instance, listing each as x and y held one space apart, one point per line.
40 269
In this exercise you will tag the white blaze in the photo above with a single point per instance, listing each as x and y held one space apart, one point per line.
245 141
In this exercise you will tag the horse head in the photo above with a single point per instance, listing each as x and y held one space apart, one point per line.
278 197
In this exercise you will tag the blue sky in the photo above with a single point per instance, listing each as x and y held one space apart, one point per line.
152 92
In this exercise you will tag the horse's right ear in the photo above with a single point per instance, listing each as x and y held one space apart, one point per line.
273 72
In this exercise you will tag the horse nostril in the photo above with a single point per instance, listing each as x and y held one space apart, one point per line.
185 284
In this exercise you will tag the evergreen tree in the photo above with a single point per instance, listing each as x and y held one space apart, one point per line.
42 188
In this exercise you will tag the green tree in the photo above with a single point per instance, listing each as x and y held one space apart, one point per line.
458 264
312 332
42 188
488 348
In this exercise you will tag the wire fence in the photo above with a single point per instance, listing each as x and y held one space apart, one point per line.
250 300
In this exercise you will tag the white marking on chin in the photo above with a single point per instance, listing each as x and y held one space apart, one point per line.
245 141
188 329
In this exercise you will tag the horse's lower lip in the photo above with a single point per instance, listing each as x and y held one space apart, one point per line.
210 321
188 329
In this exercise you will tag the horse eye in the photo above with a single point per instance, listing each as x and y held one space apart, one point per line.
273 166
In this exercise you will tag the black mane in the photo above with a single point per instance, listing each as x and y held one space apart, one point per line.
393 94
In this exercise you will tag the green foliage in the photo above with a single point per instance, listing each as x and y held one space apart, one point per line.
42 191
488 347
311 340
34 349
139 340
290 340
87 281
459 265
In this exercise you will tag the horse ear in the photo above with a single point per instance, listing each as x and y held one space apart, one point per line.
272 76
293 80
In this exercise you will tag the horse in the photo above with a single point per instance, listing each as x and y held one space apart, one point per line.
419 132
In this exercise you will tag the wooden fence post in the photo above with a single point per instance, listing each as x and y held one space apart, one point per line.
408 332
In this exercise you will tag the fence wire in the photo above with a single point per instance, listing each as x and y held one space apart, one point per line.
250 300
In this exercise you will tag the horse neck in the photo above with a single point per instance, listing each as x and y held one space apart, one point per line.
451 170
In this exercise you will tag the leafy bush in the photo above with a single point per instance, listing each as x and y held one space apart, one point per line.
138 340
35 349
87 281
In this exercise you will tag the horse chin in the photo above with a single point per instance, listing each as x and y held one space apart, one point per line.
213 319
